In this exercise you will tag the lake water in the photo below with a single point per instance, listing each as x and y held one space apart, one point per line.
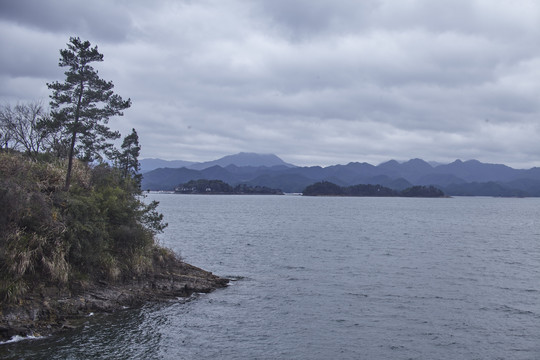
340 278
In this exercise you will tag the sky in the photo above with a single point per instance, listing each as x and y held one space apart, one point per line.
314 82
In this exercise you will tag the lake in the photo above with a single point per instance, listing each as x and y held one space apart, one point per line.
328 277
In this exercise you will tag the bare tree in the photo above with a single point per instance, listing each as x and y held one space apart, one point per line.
5 134
20 126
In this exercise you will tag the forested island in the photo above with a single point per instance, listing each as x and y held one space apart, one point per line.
76 235
216 187
325 188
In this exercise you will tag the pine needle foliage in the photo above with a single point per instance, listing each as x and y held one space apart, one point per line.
83 103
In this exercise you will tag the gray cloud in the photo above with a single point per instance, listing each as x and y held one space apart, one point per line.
315 82
99 19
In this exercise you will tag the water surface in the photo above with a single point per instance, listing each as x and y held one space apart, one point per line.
344 278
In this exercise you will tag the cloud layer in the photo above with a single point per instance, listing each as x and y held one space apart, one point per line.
315 82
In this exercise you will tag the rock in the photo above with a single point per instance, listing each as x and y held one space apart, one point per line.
47 309
7 332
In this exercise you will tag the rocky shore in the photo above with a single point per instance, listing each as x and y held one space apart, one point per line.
46 310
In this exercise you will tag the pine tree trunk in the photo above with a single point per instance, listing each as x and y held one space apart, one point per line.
74 137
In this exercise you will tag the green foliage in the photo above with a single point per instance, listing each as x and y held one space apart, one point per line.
61 219
83 104
110 222
151 218
31 233
96 230
128 158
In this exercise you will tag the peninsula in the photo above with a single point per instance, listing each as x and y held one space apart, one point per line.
67 253
76 235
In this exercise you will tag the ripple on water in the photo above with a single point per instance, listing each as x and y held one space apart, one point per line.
346 278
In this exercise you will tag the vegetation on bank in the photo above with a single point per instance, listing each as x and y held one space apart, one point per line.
326 188
203 186
71 209
99 229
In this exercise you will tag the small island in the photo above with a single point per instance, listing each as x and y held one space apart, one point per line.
326 188
90 249
218 187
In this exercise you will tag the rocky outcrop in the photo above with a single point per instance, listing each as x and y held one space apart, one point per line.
46 310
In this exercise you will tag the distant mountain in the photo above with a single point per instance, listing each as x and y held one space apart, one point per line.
243 159
151 164
457 178
489 188
168 179
411 170
439 179
474 170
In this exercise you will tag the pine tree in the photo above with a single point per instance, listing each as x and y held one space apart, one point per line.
83 104
128 159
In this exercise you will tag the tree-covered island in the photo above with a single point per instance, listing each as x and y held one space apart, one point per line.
76 235
214 187
325 188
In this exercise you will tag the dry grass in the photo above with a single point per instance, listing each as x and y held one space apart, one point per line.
51 236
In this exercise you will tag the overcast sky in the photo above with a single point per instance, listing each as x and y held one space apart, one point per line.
314 82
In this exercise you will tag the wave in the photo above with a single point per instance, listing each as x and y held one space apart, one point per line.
18 338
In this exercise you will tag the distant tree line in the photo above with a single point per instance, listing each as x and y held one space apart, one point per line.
326 188
203 186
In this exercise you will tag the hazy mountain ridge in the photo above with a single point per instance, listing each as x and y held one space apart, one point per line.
152 164
467 178
240 160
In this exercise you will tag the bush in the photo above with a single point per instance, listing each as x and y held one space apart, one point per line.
99 229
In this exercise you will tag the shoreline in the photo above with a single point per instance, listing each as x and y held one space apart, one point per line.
48 310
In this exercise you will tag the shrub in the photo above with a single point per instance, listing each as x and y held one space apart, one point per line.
99 229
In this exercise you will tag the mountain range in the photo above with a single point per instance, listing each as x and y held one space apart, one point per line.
459 178
240 159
